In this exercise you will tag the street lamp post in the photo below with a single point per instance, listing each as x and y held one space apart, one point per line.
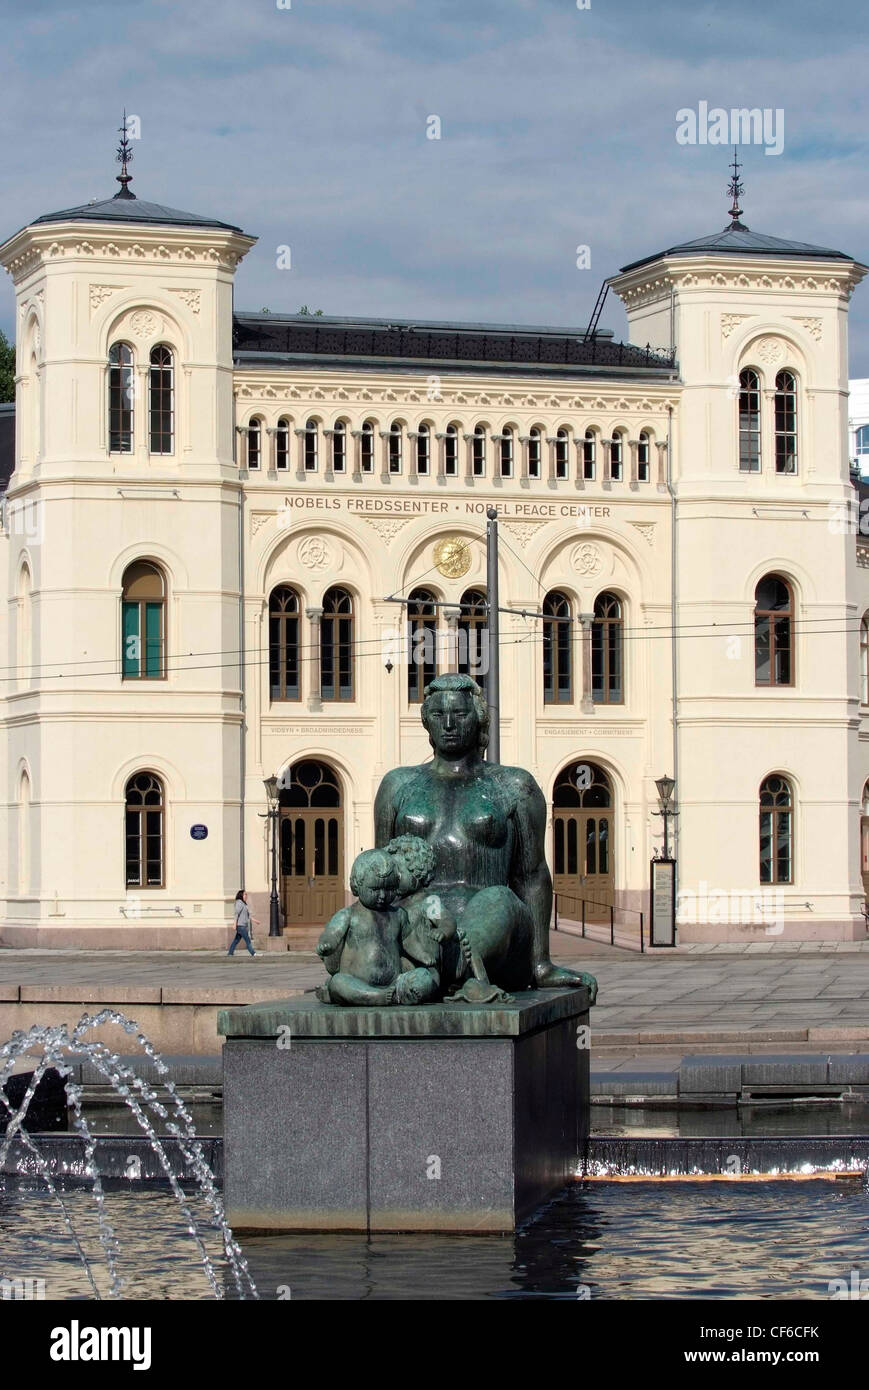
271 786
666 786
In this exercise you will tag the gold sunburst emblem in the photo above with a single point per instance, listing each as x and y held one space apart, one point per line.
452 557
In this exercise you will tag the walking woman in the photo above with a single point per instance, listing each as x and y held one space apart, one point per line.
242 923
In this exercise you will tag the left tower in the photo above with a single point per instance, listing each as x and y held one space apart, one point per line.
120 560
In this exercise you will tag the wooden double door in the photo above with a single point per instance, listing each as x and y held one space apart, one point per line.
311 845
582 843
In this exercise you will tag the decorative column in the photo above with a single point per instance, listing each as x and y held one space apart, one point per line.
384 457
413 458
580 461
271 451
497 480
607 446
141 412
315 699
469 460
442 460
452 615
634 446
357 455
552 440
586 620
328 471
241 431
525 441
301 436
662 465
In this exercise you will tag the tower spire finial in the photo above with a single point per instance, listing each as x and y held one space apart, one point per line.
124 156
735 191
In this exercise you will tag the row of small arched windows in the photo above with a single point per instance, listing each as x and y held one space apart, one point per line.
398 440
143 654
122 399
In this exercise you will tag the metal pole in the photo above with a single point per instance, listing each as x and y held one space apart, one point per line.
274 908
642 947
493 680
583 919
612 927
666 816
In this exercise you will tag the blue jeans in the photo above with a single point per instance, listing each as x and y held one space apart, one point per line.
242 934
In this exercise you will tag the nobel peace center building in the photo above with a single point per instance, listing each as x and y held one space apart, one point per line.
236 547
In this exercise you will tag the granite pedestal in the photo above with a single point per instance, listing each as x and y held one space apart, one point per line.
442 1117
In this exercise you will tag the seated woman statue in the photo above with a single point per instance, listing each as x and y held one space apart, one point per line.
486 825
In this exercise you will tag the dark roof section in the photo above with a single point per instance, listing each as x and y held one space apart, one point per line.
294 339
740 241
125 207
7 444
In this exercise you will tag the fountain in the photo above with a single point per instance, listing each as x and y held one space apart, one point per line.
59 1047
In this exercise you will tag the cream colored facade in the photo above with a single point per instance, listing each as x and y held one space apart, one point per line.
225 536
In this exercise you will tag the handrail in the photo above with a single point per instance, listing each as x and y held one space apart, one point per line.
609 907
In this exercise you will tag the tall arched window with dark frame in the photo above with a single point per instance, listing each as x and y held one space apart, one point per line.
143 621
773 632
422 628
121 398
557 649
785 422
144 837
284 618
776 830
749 421
254 444
337 655
161 400
282 444
607 651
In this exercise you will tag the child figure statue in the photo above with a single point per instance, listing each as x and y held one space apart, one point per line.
372 951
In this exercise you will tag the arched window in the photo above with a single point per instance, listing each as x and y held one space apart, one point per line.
284 611
644 451
507 453
776 831
785 423
535 453
589 455
607 651
282 444
423 451
562 458
422 626
254 444
582 786
616 457
24 628
336 646
312 446
473 630
451 451
368 447
120 399
395 449
24 833
864 660
144 856
773 632
339 447
143 622
161 400
749 421
557 637
478 457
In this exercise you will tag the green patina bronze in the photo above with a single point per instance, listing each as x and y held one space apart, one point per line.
455 902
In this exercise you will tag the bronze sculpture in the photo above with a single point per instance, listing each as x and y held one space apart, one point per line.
483 867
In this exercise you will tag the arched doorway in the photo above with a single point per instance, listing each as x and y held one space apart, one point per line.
582 841
311 844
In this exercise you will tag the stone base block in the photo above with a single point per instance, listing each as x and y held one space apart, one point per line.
442 1118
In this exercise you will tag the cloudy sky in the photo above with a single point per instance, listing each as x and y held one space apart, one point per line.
308 127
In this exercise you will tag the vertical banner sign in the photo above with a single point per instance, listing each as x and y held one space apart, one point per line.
662 918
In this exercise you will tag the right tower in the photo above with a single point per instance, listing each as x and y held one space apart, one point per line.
765 602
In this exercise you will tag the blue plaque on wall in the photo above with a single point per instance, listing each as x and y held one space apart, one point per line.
199 832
